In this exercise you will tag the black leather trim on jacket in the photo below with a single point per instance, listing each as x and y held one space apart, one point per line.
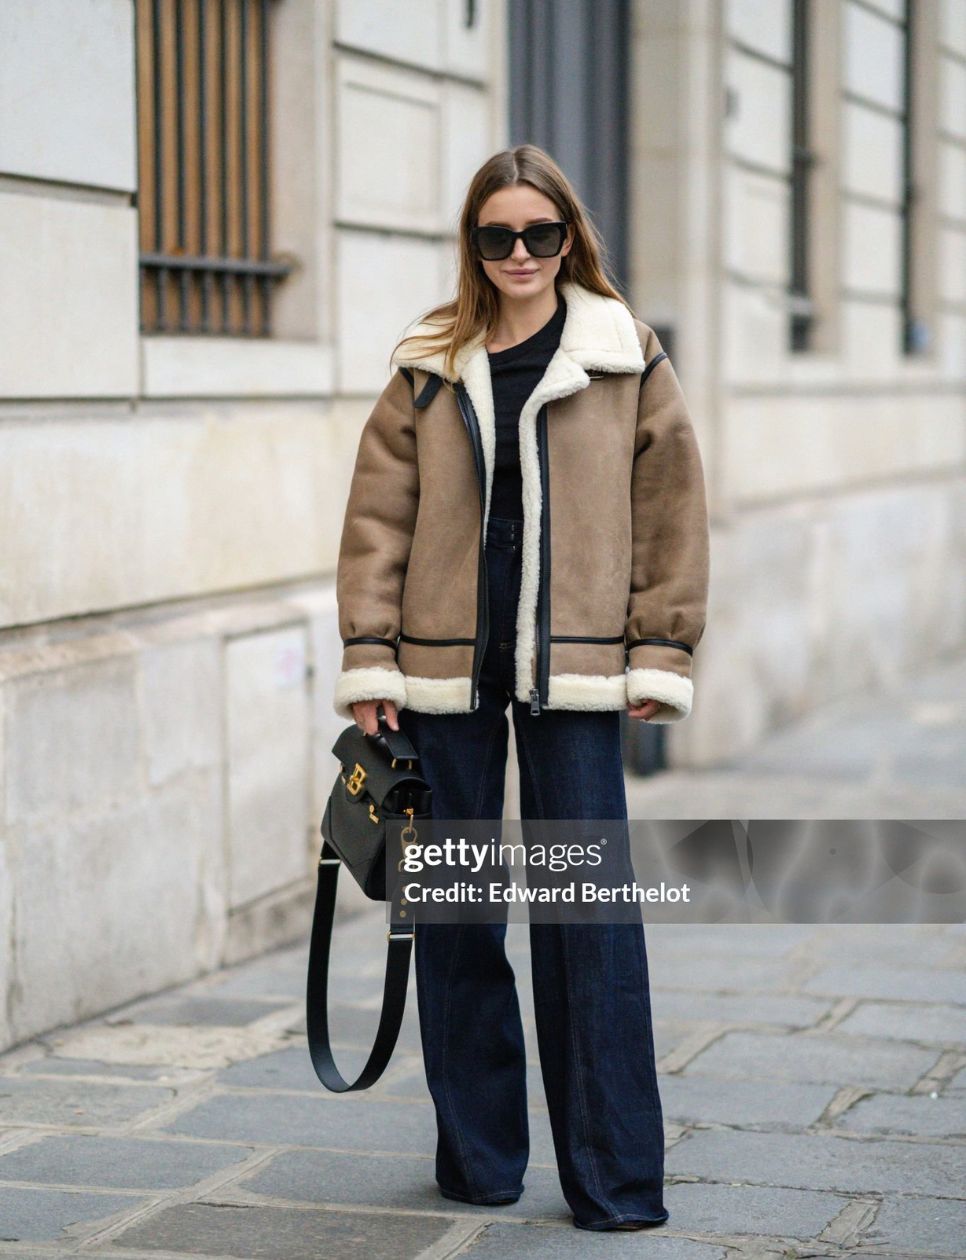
471 421
675 643
586 638
411 638
539 694
409 375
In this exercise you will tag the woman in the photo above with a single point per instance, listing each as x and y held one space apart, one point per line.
527 526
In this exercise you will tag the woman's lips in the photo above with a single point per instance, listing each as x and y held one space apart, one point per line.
520 275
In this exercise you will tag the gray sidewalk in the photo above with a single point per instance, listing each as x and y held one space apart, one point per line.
895 753
813 1078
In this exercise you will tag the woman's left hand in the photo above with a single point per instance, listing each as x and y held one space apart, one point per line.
645 710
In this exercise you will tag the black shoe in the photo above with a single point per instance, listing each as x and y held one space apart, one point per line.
624 1225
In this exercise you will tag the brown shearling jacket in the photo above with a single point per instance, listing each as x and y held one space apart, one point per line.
615 561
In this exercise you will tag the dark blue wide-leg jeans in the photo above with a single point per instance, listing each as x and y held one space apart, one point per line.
590 981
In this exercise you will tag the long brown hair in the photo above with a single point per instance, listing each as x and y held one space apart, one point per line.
476 306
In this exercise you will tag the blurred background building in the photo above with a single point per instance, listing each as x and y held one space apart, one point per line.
216 219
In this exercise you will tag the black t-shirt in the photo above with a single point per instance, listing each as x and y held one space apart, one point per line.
515 373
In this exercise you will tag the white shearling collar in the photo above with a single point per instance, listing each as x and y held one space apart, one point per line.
598 335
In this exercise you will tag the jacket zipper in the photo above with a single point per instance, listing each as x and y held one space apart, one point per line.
482 583
541 691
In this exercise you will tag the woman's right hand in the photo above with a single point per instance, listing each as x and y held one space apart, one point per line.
364 712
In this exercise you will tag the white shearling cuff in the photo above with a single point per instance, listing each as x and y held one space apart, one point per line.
371 682
675 692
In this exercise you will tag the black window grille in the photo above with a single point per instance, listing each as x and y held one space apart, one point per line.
801 312
915 336
204 202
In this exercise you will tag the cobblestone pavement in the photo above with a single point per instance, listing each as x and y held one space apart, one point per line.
813 1079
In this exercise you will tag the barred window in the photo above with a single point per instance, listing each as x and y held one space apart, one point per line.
203 98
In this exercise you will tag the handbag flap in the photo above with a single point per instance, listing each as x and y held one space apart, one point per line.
354 747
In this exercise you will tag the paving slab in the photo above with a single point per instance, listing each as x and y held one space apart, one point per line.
821 1162
284 1233
39 1215
934 1226
119 1162
920 1115
54 1065
937 1024
297 1119
763 1210
710 1100
29 1100
816 1058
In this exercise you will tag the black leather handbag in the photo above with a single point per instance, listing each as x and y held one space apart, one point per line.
379 797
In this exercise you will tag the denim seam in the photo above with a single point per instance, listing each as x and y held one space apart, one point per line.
454 1114
579 1079
653 1089
532 770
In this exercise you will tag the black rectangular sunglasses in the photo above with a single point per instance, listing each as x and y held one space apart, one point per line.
542 240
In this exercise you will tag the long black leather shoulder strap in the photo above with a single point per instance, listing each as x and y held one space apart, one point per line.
316 1009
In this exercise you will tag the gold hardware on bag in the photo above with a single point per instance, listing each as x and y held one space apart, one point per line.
404 835
409 829
409 765
373 816
355 780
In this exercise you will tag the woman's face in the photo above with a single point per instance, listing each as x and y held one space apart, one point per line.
521 275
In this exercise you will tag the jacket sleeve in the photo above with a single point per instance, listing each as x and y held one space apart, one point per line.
377 534
670 545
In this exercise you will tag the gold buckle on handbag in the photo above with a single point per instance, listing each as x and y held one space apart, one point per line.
353 784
